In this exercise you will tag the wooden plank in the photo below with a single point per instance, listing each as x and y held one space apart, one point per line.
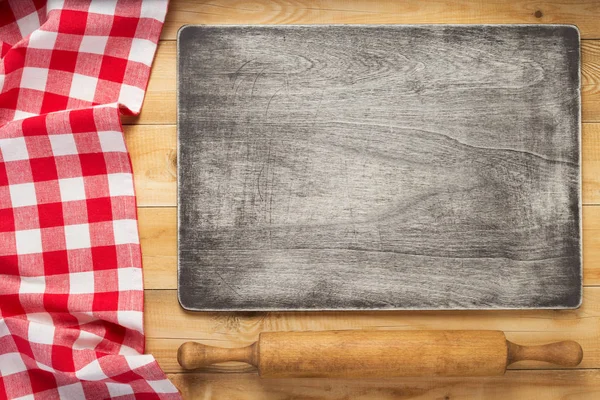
584 14
159 105
590 80
514 385
158 233
591 245
160 108
379 167
168 325
590 163
165 319
153 151
158 238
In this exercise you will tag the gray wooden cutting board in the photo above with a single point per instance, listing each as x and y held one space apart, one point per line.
379 167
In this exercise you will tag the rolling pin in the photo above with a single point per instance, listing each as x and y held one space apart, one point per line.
380 354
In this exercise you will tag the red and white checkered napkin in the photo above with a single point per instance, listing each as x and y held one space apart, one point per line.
71 291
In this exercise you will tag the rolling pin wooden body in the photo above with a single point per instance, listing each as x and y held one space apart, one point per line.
380 354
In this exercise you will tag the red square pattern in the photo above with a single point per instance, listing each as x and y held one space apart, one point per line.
65 275
50 215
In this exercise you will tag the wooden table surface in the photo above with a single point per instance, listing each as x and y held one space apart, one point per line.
152 142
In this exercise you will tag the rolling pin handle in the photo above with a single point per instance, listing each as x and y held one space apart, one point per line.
566 353
192 355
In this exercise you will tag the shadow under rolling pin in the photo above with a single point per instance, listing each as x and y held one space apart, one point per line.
380 354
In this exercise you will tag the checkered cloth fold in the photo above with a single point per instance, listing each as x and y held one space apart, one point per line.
71 290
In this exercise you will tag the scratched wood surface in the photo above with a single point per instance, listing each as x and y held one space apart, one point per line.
151 140
379 167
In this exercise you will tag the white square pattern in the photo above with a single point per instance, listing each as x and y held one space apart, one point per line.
112 141
11 363
28 23
120 184
14 149
83 87
40 333
22 115
77 236
128 351
162 386
40 318
3 328
93 44
86 340
42 40
129 279
54 5
22 195
32 284
125 231
34 78
131 319
81 282
91 372
26 397
71 392
142 51
118 389
153 9
71 189
106 7
139 361
63 145
29 241
132 96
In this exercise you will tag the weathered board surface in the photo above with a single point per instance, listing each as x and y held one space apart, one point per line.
379 167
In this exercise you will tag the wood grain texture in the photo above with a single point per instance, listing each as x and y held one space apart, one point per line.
160 105
168 326
158 238
369 167
584 14
160 263
590 80
153 150
153 153
590 163
515 385
158 234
